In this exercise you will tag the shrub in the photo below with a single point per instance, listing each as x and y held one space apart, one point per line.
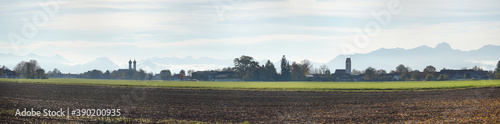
443 77
429 77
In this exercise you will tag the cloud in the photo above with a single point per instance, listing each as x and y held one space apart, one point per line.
259 10
449 8
485 64
462 36
184 43
492 63
112 5
112 21
221 28
176 68
244 40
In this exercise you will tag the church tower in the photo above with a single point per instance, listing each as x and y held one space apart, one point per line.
348 66
130 64
134 65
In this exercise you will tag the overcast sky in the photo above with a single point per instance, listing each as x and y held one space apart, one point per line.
82 30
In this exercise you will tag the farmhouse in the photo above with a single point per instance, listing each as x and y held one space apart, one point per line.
214 76
8 74
226 76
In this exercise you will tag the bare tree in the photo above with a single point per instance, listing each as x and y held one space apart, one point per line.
356 72
1 70
323 68
381 71
27 69
190 73
181 75
476 68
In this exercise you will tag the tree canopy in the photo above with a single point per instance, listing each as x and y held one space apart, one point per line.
30 70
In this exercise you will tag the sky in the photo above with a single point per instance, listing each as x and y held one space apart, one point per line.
317 30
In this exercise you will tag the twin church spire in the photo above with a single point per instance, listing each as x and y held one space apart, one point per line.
130 64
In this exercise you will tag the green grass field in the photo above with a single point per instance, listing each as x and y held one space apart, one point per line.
274 86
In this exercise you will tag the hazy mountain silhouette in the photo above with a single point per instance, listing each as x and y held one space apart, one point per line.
101 63
417 58
49 63
441 56
175 64
10 60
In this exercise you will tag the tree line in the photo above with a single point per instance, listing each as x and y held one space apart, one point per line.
248 69
25 69
429 73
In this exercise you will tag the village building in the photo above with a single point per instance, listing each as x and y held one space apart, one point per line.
129 67
344 74
8 74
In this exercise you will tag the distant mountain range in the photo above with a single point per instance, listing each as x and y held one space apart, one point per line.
442 56
175 64
49 63
155 64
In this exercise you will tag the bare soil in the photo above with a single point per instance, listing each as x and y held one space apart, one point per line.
156 104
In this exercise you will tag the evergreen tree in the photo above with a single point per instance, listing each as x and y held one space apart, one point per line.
268 72
285 70
106 74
